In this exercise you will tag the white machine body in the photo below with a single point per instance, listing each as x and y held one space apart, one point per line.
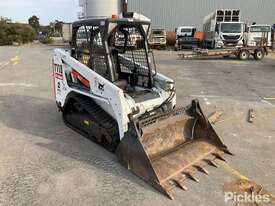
111 98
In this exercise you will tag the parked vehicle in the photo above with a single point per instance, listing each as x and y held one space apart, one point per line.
242 53
258 34
223 28
199 35
186 38
158 38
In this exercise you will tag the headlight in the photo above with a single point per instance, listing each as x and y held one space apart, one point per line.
220 43
240 43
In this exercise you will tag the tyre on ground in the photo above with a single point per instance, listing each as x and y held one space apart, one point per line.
244 54
258 54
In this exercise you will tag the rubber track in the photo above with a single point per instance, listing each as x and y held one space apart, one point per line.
102 118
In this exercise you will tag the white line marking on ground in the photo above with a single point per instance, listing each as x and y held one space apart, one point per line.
205 96
267 102
4 65
187 78
16 84
269 98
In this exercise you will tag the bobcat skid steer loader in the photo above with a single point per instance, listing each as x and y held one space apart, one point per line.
109 90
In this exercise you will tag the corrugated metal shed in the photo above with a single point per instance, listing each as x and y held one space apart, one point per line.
169 14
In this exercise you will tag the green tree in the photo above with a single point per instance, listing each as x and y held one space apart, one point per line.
58 26
5 20
46 30
34 23
52 25
15 32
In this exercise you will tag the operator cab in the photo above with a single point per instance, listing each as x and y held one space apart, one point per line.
116 49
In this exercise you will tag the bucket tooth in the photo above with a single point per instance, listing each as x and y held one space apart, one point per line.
168 188
227 152
179 182
181 185
218 156
212 163
202 169
191 176
169 194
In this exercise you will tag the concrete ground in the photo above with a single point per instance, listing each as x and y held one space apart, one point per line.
42 162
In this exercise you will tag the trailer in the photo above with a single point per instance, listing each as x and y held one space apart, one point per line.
242 53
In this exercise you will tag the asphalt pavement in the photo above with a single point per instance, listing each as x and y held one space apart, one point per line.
42 162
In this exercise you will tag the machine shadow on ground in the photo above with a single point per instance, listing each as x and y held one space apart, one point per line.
40 118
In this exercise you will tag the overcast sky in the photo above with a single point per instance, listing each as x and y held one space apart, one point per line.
46 10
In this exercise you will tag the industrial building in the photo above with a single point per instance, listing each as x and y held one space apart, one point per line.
170 14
